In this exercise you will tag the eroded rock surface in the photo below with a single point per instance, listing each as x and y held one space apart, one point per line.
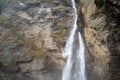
102 38
32 35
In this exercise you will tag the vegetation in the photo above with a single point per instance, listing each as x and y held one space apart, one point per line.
2 19
6 1
60 33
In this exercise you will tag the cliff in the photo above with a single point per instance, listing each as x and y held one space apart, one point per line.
33 34
101 18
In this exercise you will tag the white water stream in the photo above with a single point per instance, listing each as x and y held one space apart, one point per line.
75 65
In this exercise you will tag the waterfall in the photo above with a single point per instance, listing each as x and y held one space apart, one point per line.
74 52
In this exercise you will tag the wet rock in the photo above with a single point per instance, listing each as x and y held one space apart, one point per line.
31 36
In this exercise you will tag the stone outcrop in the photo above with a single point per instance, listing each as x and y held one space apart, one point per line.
113 40
102 38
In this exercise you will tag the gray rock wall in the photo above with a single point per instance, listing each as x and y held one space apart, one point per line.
32 35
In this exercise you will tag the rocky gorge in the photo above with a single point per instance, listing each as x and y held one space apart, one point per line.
33 34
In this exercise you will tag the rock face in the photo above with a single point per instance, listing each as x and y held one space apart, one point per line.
102 38
32 35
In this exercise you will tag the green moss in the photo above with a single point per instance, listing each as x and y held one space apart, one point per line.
59 34
3 19
6 62
3 74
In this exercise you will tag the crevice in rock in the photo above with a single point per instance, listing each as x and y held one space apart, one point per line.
112 8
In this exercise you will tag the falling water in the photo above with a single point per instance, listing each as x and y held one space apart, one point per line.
74 52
